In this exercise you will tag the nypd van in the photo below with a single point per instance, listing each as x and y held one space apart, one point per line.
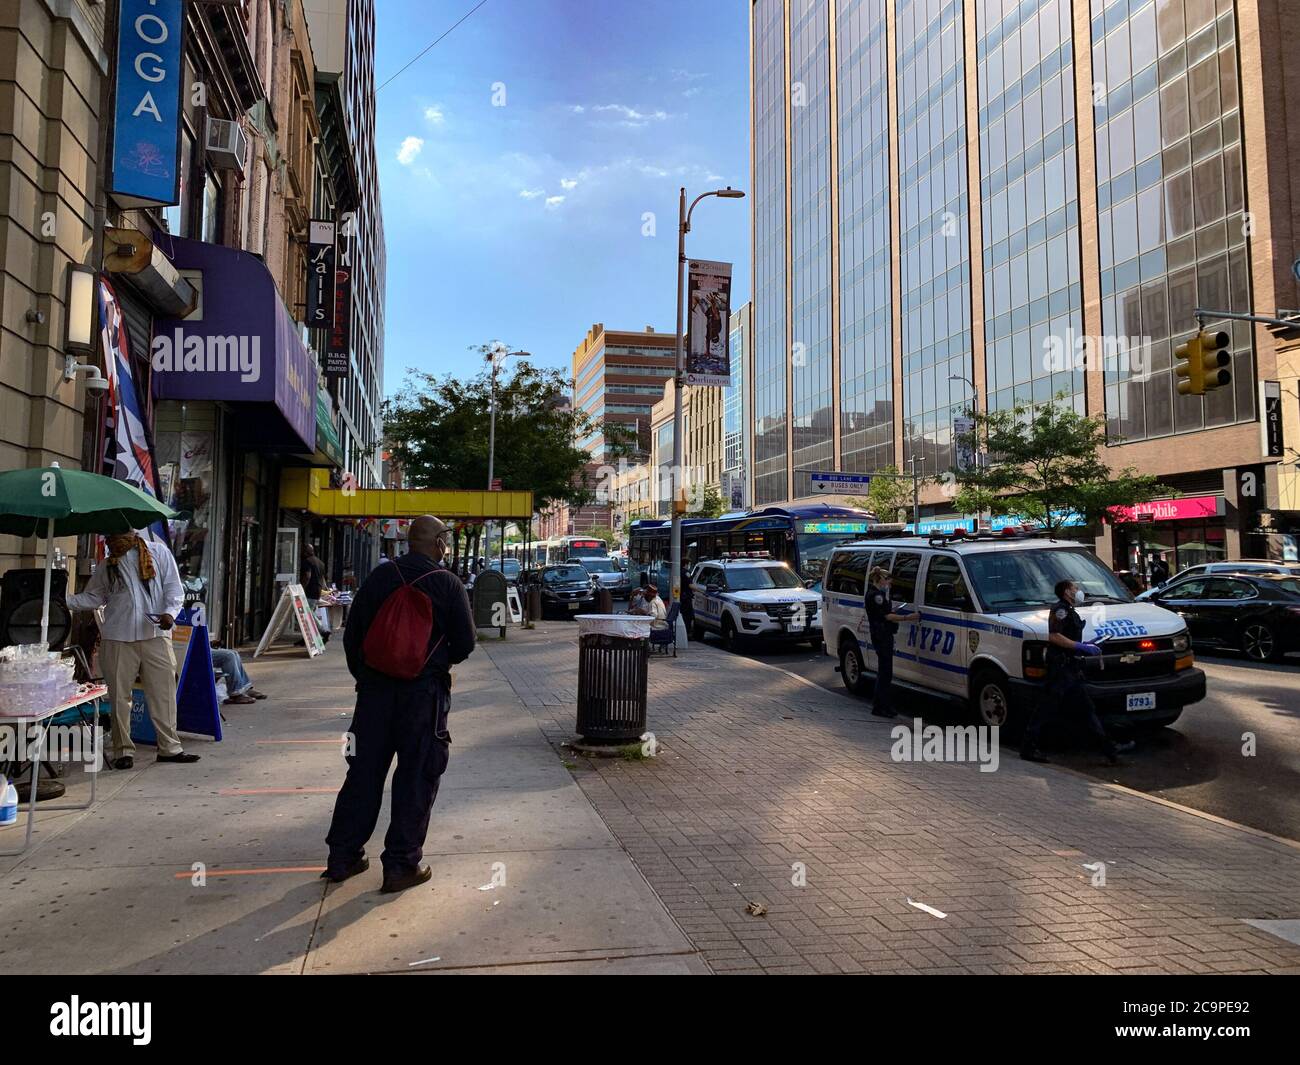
753 597
981 640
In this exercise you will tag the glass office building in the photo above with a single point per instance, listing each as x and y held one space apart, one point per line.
1003 203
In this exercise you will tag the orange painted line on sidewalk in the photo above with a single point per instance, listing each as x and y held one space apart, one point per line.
277 791
253 872
267 743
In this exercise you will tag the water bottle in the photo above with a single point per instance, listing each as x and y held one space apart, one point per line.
8 803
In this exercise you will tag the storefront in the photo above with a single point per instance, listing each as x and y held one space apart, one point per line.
1174 532
239 353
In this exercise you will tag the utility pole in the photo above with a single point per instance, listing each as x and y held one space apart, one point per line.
916 497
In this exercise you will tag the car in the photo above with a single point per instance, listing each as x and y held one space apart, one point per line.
566 588
511 567
1255 613
608 573
753 597
1241 565
981 641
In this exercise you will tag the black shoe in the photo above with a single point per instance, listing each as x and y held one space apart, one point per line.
337 876
182 758
1116 749
883 713
125 762
1032 754
402 881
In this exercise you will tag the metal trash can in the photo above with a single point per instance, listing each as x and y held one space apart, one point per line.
613 656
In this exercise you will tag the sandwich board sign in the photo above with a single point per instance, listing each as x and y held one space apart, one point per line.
196 694
293 604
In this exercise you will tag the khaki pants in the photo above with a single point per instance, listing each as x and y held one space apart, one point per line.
155 662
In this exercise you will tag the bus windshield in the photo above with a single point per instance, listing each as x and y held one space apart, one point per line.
1024 580
588 549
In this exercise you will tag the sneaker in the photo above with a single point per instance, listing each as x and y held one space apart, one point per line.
401 881
255 693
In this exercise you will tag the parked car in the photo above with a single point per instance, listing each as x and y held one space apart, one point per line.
1241 565
567 589
1255 613
608 573
510 567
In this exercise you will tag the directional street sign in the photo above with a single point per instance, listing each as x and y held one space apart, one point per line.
832 483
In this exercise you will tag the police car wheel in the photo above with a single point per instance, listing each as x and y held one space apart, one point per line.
852 668
992 699
1258 643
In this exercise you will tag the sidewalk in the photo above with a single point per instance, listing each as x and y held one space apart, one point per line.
112 890
759 770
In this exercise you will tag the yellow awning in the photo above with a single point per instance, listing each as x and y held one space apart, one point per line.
305 488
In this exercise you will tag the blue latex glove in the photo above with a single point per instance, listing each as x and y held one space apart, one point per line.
1091 650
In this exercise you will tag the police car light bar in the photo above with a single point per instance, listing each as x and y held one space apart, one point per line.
745 554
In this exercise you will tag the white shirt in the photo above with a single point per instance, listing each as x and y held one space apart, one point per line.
126 603
658 615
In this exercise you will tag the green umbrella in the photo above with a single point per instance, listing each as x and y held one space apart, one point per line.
49 501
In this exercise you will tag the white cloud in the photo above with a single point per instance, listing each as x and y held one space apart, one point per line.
692 92
531 194
434 115
631 114
568 183
554 201
409 150
577 109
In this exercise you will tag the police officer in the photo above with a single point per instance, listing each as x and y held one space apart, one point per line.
883 623
1064 692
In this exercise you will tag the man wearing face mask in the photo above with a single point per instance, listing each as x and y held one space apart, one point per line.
1065 692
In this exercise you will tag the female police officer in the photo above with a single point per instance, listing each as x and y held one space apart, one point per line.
883 624
1065 692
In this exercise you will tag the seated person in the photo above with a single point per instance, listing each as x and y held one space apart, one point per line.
654 608
239 688
636 603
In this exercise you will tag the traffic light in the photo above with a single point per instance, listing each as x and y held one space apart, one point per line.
1201 363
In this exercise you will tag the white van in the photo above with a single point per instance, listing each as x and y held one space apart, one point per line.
982 638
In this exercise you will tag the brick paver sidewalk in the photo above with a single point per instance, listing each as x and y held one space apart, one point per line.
759 771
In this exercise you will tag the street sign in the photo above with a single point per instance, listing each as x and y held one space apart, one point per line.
496 485
1270 422
833 483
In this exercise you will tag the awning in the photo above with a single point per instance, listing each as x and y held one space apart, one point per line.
239 345
308 490
328 445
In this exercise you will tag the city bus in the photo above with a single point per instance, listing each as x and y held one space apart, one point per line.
557 549
802 535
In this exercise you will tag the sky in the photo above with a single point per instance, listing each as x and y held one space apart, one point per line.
525 222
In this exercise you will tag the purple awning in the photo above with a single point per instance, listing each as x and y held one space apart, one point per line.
241 345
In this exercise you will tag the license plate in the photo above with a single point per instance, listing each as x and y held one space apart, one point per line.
573 606
795 626
1141 701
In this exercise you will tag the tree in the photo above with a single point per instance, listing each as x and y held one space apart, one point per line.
1045 466
438 428
889 495
710 504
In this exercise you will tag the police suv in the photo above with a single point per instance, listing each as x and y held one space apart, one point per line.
752 596
982 637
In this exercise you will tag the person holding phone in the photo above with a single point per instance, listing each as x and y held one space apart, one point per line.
1065 692
883 623
139 587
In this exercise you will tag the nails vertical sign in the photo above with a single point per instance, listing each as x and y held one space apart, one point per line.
338 353
145 159
320 274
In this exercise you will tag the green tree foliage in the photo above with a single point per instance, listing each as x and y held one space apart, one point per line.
437 428
710 505
889 496
1045 463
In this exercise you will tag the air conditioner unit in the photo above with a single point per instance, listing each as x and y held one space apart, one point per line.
226 144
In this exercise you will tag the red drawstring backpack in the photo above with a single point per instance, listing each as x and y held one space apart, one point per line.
395 643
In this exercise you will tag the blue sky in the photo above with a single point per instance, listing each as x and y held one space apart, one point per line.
523 223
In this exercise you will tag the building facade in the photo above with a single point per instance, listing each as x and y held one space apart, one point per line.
1005 203
737 403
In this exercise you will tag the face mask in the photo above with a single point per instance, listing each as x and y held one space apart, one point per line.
1079 597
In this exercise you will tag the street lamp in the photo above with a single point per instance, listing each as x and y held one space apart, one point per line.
974 409
683 227
496 357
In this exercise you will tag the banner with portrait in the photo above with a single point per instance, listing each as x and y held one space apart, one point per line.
708 306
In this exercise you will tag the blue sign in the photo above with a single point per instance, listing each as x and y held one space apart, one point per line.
147 111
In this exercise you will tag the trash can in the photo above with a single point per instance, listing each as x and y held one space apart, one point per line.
613 652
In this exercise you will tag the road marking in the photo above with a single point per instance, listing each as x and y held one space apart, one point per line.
253 872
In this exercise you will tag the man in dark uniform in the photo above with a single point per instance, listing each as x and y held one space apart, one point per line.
406 718
1065 693
687 599
883 624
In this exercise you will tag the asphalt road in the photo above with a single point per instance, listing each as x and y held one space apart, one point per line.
1198 761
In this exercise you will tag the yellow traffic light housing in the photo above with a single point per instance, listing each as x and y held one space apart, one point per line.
1201 363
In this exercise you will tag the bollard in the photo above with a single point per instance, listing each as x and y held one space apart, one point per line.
534 604
605 601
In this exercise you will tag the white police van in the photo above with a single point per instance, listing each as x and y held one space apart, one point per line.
982 637
752 596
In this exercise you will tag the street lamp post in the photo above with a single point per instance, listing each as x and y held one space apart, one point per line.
974 410
679 380
496 358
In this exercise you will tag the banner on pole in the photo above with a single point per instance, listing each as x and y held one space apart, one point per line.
708 303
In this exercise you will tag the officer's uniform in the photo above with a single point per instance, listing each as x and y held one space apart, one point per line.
1064 693
882 640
